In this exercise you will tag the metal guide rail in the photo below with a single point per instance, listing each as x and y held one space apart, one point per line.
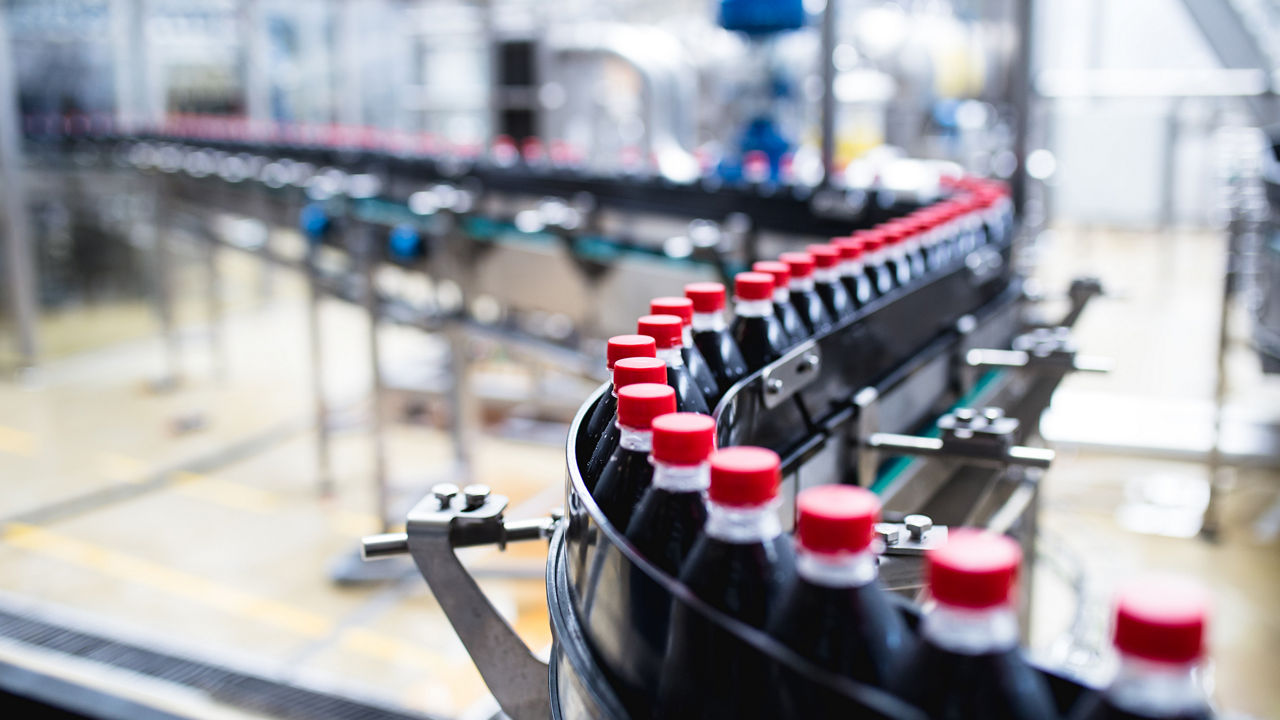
834 407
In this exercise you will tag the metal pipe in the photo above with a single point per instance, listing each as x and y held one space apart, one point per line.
828 48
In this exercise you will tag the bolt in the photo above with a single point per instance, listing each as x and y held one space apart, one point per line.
993 413
444 492
773 386
965 414
810 362
918 525
888 533
475 495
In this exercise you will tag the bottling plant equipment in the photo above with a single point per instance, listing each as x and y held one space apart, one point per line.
924 396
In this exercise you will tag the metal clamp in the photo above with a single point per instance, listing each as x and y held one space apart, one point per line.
1041 350
448 519
790 373
975 437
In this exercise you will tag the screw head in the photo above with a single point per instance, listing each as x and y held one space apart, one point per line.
918 525
475 496
773 386
888 533
444 492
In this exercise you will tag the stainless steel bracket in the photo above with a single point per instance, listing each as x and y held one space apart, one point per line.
915 535
974 437
1041 350
790 373
448 519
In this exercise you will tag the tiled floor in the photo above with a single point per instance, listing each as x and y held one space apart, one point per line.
214 542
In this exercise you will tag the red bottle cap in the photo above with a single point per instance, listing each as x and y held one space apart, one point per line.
780 271
753 286
625 346
639 404
975 569
629 371
1161 619
896 231
683 438
836 518
850 248
678 306
666 330
800 263
824 256
707 297
744 476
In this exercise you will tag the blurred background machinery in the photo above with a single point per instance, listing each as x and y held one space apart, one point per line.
313 257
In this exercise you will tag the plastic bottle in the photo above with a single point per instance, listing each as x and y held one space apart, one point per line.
673 510
739 563
693 359
826 280
667 332
966 663
895 234
627 371
874 260
602 416
755 329
1159 633
804 295
854 276
737 567
793 328
711 336
628 473
834 612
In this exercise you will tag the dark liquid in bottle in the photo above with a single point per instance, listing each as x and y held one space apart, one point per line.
689 397
700 371
723 357
952 686
601 418
853 631
759 339
621 485
881 278
812 310
600 455
793 329
710 673
1100 708
858 286
836 299
665 525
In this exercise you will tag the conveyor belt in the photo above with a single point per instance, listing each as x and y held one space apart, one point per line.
249 692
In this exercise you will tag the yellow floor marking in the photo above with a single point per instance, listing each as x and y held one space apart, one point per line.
17 442
232 601
230 494
174 582
121 468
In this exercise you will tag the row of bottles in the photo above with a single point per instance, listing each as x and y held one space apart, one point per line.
711 519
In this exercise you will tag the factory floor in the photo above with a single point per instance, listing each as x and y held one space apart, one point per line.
188 518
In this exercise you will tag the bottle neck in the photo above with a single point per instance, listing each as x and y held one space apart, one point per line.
671 356
837 570
1156 689
877 257
633 439
781 295
801 284
753 308
681 478
851 267
743 525
971 631
703 322
686 336
826 275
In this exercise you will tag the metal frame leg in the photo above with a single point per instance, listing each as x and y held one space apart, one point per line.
19 260
164 292
324 468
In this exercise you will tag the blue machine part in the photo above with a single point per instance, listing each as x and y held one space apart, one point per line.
405 242
314 221
761 17
761 134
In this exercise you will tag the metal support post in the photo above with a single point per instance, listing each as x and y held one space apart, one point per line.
366 252
164 288
324 468
828 49
18 258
